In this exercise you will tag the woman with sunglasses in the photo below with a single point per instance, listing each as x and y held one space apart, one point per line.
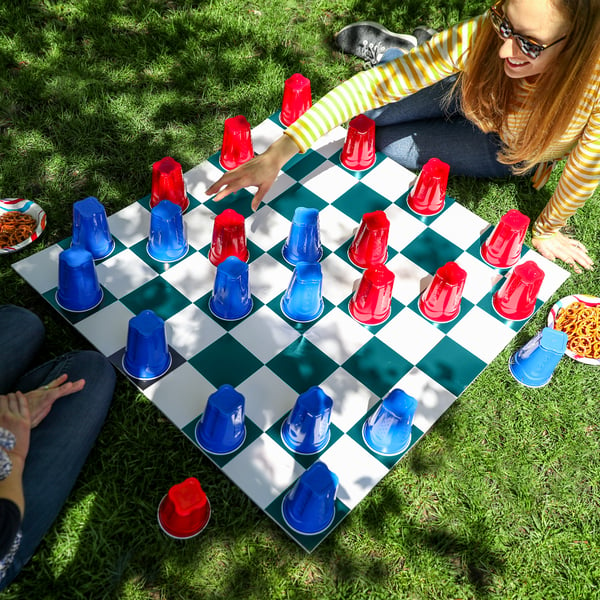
509 92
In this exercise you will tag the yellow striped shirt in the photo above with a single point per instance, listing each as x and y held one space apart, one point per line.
444 55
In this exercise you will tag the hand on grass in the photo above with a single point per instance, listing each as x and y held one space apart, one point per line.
570 251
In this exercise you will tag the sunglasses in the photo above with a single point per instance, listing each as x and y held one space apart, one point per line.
505 30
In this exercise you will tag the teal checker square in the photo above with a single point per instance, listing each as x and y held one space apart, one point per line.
252 434
158 295
140 250
77 317
465 307
275 306
451 365
306 460
336 159
215 161
356 433
426 219
359 200
377 366
308 542
240 201
307 163
145 202
430 251
296 195
302 365
202 304
225 361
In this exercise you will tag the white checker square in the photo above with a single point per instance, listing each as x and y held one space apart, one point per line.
481 334
264 134
123 273
107 328
199 224
336 228
268 278
328 181
200 178
554 276
432 399
338 335
339 278
191 330
459 226
41 269
280 185
193 277
389 179
181 394
410 279
357 470
404 228
410 335
267 397
131 224
481 278
331 142
351 399
265 334
266 228
263 470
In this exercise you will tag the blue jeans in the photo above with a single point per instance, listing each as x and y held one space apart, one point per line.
420 127
61 443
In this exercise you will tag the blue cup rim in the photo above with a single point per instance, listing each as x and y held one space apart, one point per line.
237 318
216 449
111 247
371 446
293 261
298 449
169 259
296 525
523 379
145 374
80 309
306 320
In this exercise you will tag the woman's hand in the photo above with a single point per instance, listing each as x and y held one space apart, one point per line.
570 251
41 400
15 416
260 172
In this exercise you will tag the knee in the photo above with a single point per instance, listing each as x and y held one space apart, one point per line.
30 325
96 369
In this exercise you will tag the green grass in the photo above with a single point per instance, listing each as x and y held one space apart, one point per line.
499 500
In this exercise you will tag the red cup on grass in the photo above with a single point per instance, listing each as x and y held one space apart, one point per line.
502 248
237 143
428 195
440 301
185 510
515 300
167 183
229 237
370 244
297 98
371 303
358 152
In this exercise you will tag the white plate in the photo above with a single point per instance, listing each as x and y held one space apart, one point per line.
29 208
563 303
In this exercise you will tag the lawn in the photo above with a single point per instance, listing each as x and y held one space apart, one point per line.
499 500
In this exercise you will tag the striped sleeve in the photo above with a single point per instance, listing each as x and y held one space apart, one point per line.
440 57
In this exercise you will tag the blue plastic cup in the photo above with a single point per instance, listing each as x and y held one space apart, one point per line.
534 364
167 241
147 354
306 429
303 243
231 299
78 287
222 428
90 228
303 299
309 507
388 430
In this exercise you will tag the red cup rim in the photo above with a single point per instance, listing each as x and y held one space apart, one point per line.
172 533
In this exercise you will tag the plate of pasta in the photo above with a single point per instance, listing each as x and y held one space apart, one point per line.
579 317
21 222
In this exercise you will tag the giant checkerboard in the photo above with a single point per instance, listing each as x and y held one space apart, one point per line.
270 359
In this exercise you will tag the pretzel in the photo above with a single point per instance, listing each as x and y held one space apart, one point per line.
581 323
15 227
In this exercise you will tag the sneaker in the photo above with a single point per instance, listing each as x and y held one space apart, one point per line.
423 34
369 41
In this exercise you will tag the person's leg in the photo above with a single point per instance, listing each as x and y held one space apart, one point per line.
21 336
61 443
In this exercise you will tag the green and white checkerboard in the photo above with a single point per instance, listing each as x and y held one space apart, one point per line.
272 360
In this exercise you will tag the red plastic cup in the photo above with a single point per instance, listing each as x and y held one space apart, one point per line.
229 237
503 247
185 510
428 195
370 244
167 183
237 143
297 98
358 152
371 303
515 300
440 301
